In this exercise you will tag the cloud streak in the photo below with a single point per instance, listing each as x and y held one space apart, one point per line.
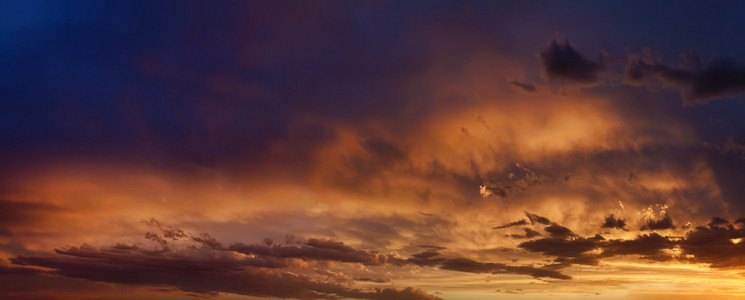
721 77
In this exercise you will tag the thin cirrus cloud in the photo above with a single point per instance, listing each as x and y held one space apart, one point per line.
525 86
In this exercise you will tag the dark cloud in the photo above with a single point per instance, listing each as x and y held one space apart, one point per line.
192 274
433 247
558 231
426 254
432 259
537 219
5 270
529 233
407 293
428 258
501 191
649 246
515 178
533 218
612 222
565 250
722 77
665 223
561 61
528 87
575 250
376 280
168 232
207 240
516 223
471 266
202 275
721 247
718 221
209 270
317 249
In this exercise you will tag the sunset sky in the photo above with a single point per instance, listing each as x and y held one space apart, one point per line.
372 150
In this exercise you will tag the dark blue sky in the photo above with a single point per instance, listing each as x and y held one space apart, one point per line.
74 70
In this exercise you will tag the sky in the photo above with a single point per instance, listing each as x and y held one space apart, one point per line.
372 150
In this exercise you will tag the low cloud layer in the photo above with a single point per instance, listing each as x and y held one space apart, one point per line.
190 264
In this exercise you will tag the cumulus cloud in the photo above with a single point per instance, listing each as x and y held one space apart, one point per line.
562 61
665 223
612 222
